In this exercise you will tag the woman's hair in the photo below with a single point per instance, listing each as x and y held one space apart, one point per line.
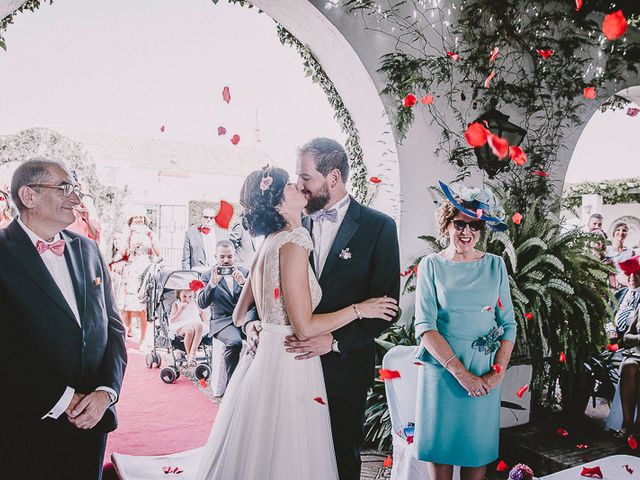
619 225
445 213
261 193
146 220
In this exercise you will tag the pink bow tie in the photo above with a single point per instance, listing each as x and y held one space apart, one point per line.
56 247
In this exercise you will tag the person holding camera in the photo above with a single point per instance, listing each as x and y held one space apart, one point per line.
223 287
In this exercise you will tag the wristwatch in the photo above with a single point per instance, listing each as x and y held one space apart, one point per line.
334 346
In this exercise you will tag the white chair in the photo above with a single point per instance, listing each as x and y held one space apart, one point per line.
401 398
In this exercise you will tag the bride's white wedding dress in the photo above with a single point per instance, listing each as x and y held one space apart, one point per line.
270 425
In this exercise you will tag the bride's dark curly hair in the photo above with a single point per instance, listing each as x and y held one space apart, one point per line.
262 191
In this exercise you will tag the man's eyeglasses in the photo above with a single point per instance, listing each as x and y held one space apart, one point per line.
474 225
208 218
67 188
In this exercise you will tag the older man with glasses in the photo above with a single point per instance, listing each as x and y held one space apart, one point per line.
199 250
63 330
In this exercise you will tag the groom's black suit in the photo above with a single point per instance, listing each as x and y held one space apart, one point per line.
47 351
372 270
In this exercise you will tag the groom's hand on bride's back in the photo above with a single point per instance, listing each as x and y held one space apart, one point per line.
309 348
252 331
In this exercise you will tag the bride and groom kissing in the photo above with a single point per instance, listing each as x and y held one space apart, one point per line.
325 285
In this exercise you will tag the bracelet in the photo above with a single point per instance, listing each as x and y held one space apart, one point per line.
358 314
446 364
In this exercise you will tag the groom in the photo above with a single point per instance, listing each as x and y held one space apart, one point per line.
355 257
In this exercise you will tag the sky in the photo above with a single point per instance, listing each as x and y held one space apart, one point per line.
130 66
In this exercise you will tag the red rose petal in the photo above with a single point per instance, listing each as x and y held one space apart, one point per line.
502 466
226 94
415 269
517 218
409 439
375 180
614 25
235 139
496 367
196 285
589 92
562 358
613 347
545 53
494 54
222 130
223 218
476 135
582 446
633 442
276 293
540 173
387 462
427 99
487 81
388 374
628 469
454 56
409 101
500 306
562 432
406 272
166 469
162 128
528 316
319 400
499 146
633 111
593 472
517 155
521 391
203 382
578 5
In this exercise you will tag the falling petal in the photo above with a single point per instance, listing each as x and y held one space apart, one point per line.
494 54
562 432
235 139
540 173
319 400
388 374
517 218
633 442
589 92
276 293
614 25
591 472
226 94
528 316
613 347
545 53
578 5
409 101
633 111
387 462
499 146
223 218
496 367
427 99
517 155
562 358
502 466
487 81
162 128
628 469
375 180
222 130
476 135
454 56
521 391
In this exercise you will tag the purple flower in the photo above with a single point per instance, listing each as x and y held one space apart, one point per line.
521 472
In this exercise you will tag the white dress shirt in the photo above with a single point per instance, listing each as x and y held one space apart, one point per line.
59 270
324 233
209 242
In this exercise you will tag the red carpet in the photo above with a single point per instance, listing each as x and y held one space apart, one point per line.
156 418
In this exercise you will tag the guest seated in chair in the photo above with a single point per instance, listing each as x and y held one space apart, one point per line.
627 324
187 320
223 287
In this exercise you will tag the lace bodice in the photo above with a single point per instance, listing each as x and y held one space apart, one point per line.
265 276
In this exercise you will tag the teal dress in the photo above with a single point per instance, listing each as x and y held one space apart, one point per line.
460 301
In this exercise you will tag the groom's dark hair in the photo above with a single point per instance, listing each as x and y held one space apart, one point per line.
260 200
327 155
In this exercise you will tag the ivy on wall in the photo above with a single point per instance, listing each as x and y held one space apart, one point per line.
611 191
546 54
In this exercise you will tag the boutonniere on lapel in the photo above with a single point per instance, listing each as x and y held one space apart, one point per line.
345 254
97 282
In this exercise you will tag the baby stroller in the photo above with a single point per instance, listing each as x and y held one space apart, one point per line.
161 293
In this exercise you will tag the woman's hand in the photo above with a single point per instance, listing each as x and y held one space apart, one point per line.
475 386
493 379
381 307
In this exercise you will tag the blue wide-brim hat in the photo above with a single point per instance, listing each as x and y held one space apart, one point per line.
477 199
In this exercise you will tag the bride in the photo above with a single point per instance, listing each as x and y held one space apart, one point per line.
273 423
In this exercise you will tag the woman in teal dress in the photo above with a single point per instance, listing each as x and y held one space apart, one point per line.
464 319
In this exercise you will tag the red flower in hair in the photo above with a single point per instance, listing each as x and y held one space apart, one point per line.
196 285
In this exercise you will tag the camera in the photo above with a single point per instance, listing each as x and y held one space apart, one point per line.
224 270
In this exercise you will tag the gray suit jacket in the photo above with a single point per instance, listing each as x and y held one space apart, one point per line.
193 251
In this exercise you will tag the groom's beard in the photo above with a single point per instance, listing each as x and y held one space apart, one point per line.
317 201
